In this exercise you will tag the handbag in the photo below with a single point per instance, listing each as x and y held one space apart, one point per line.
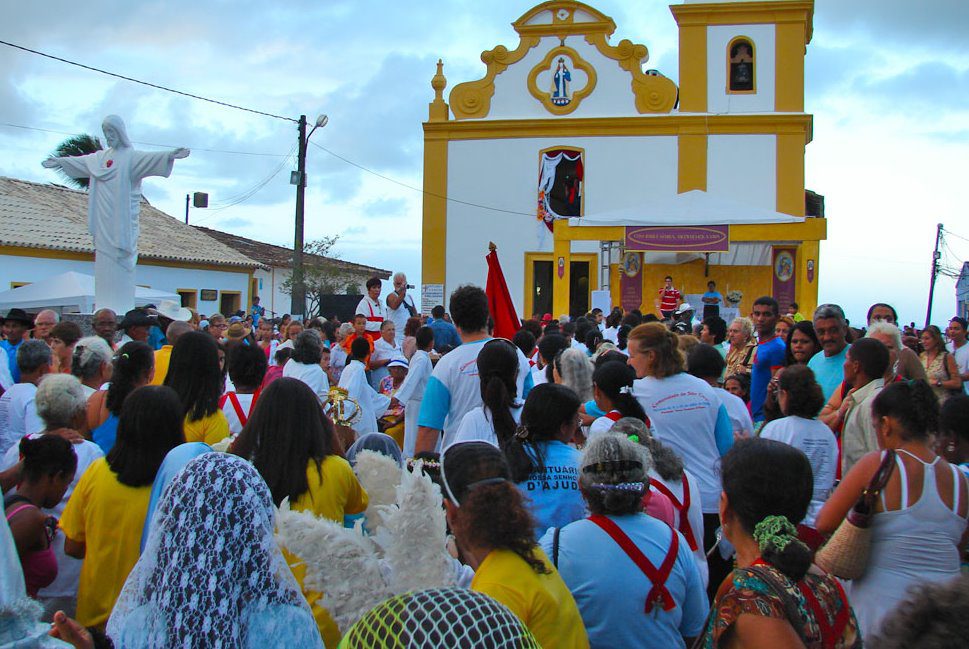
845 555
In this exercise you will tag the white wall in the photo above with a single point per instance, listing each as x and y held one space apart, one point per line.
612 96
619 172
32 269
762 101
743 168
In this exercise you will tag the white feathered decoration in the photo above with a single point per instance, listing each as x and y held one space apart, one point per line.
379 476
340 563
413 536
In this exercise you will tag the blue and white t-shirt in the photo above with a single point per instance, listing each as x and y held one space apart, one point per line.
829 371
553 494
771 354
686 414
454 389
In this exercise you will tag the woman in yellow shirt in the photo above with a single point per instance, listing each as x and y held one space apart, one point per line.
495 532
294 446
194 373
105 515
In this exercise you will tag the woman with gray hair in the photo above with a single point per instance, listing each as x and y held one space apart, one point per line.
62 405
632 576
92 363
573 369
903 362
304 363
740 354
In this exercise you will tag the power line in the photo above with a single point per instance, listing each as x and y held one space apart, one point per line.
146 83
249 193
417 189
953 234
164 146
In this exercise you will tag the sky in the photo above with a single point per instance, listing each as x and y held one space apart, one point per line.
886 81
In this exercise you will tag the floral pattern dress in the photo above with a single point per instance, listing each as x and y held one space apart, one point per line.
748 593
739 361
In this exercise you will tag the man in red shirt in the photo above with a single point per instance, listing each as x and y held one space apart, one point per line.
669 299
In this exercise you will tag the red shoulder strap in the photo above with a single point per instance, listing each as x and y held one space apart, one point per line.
613 415
682 507
658 594
234 400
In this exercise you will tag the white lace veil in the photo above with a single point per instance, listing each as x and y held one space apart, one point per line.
211 574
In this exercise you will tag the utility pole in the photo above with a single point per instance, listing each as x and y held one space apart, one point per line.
298 304
935 273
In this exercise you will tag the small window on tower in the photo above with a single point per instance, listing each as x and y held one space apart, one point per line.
741 67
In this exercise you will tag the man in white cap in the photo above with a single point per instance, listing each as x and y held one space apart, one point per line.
683 319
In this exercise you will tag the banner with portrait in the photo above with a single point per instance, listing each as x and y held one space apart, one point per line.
784 276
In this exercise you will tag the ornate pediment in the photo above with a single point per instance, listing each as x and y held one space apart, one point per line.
559 76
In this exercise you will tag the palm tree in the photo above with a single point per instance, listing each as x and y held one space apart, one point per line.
74 146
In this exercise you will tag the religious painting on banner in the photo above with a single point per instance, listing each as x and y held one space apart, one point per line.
560 175
784 281
630 281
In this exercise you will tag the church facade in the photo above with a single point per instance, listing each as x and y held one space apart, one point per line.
596 176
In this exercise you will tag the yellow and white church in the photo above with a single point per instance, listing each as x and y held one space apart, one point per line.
596 177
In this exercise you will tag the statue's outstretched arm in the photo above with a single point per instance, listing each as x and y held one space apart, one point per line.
51 163
181 152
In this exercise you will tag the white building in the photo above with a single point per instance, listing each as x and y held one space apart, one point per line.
277 267
44 233
567 128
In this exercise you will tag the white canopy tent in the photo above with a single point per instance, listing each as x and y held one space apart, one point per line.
70 292
694 207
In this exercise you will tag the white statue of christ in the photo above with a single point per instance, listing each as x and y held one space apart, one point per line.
114 200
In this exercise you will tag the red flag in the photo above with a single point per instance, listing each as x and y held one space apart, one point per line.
500 305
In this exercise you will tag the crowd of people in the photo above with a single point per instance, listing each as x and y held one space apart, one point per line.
611 480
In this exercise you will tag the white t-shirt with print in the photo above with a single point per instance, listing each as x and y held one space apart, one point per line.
815 440
683 412
18 415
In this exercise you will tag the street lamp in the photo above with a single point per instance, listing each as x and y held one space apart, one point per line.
298 178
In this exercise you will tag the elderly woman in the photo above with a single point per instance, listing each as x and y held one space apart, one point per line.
573 369
740 355
63 337
903 362
92 363
633 577
774 597
61 404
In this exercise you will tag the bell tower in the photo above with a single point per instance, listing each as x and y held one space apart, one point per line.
743 57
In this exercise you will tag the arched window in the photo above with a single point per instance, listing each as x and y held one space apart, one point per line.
740 65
